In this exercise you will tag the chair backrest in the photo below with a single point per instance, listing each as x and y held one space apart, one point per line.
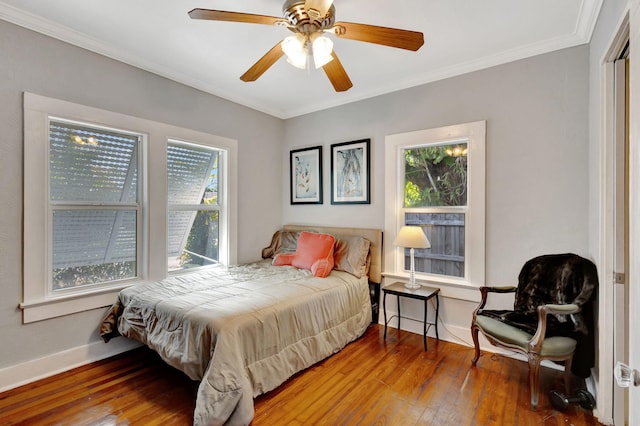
555 278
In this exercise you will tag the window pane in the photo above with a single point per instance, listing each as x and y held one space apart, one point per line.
192 175
198 246
445 232
435 176
93 246
192 179
92 165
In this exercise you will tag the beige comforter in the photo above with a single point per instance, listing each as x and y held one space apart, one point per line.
243 330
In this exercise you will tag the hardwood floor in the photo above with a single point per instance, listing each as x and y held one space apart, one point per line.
370 382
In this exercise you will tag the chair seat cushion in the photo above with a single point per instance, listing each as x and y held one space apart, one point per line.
556 346
529 322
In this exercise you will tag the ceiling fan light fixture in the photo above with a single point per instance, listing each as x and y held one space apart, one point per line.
310 20
322 47
300 62
295 48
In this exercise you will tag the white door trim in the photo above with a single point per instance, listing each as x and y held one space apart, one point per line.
607 298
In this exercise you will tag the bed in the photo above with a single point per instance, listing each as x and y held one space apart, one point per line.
244 330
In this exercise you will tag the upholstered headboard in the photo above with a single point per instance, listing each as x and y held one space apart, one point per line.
373 235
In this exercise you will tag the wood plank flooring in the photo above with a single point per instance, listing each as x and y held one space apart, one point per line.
370 382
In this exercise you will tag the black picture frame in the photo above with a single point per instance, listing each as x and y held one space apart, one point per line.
350 172
306 175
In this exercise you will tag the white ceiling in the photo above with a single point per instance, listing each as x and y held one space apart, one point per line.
158 36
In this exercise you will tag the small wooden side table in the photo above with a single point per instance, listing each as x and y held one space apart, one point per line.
423 293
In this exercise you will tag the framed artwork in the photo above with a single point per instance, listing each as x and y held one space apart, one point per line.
350 163
306 175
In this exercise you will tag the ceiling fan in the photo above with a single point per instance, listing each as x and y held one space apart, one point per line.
309 20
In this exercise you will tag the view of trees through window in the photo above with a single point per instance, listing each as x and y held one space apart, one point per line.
92 274
202 245
435 198
436 176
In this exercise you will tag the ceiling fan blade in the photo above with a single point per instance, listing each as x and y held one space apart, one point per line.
221 15
263 64
317 9
337 75
393 37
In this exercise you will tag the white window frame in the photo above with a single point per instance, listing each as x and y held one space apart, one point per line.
39 302
223 220
474 134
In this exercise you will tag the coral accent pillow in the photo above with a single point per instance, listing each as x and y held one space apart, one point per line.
321 268
314 252
283 259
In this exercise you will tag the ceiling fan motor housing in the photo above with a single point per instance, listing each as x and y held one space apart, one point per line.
304 21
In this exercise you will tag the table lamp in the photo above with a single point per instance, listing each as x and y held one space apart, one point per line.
412 237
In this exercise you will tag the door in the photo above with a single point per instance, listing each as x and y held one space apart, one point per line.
621 226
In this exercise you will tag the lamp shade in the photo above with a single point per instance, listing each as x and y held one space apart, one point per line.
411 237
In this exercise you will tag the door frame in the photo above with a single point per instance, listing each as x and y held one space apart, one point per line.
606 321
605 405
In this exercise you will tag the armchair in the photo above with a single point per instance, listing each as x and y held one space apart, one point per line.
552 317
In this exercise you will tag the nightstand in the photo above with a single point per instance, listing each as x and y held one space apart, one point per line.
374 294
423 293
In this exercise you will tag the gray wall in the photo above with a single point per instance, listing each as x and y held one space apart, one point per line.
537 158
35 63
537 153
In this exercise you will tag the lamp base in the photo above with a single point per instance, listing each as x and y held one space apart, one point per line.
412 285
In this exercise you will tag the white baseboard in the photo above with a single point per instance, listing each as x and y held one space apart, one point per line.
592 387
30 371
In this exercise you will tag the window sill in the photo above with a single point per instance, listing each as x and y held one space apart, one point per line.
462 291
38 310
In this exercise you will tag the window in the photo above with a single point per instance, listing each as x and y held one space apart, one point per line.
194 205
94 204
97 218
435 198
437 182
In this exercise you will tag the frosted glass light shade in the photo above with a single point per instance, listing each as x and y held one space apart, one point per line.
296 51
322 48
411 237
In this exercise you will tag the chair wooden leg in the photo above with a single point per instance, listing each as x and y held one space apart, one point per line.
534 378
476 343
567 375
